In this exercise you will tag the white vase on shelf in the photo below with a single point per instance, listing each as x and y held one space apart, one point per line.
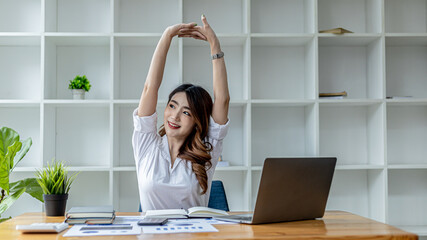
78 94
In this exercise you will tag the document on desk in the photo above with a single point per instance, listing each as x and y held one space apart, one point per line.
180 227
85 230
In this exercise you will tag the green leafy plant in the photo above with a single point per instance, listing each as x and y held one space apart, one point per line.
80 82
54 179
12 151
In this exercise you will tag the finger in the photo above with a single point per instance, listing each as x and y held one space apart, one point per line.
188 25
192 32
204 21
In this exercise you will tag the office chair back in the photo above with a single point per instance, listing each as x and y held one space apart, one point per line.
217 199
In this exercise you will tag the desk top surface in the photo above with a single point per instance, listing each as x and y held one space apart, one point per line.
334 225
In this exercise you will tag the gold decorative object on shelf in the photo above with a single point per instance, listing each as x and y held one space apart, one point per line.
337 95
336 31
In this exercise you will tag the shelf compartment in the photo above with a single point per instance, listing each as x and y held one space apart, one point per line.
231 20
405 16
236 185
66 57
350 132
26 121
406 58
360 192
278 16
148 16
20 67
125 187
235 143
123 130
359 16
132 62
289 64
77 16
77 135
25 203
406 134
20 16
351 64
89 189
197 65
406 203
291 128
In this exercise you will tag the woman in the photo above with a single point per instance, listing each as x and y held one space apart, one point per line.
175 166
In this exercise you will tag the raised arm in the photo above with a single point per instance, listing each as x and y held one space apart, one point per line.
220 84
148 101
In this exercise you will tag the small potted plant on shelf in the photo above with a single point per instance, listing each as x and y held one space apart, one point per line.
56 184
12 151
79 85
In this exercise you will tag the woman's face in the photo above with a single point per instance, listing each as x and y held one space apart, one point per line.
178 118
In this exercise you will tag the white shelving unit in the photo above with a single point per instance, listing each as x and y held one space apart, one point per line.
277 64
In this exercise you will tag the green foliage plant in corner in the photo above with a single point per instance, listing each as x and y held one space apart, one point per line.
80 82
12 151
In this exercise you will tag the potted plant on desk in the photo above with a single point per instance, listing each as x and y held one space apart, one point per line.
56 184
79 85
12 151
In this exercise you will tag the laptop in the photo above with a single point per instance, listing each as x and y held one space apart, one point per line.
290 189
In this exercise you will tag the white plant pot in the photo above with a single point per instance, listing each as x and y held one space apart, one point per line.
78 94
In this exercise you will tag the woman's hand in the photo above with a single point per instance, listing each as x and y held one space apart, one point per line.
184 30
206 31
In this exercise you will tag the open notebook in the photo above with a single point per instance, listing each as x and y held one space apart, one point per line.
194 212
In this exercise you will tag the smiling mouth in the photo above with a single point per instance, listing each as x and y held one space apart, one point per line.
173 126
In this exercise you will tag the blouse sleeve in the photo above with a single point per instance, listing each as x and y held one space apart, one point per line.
216 135
144 135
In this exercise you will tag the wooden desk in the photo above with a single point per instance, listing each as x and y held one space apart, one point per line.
334 225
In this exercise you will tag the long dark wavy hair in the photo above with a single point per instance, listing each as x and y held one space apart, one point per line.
195 149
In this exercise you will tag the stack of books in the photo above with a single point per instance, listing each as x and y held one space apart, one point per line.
90 215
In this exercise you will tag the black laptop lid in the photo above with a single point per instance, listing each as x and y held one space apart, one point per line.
293 189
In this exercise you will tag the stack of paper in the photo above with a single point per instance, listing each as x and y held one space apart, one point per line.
90 215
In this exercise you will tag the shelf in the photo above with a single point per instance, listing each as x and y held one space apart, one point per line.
66 57
360 192
20 68
236 188
292 128
78 136
406 58
77 16
355 65
126 185
89 189
132 57
405 16
235 144
406 134
285 62
20 16
359 16
147 16
348 102
407 166
26 121
278 16
282 103
407 203
359 167
197 66
230 20
348 131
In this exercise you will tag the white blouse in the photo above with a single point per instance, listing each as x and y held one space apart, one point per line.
163 187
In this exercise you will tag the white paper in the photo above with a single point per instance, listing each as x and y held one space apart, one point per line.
180 227
85 230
